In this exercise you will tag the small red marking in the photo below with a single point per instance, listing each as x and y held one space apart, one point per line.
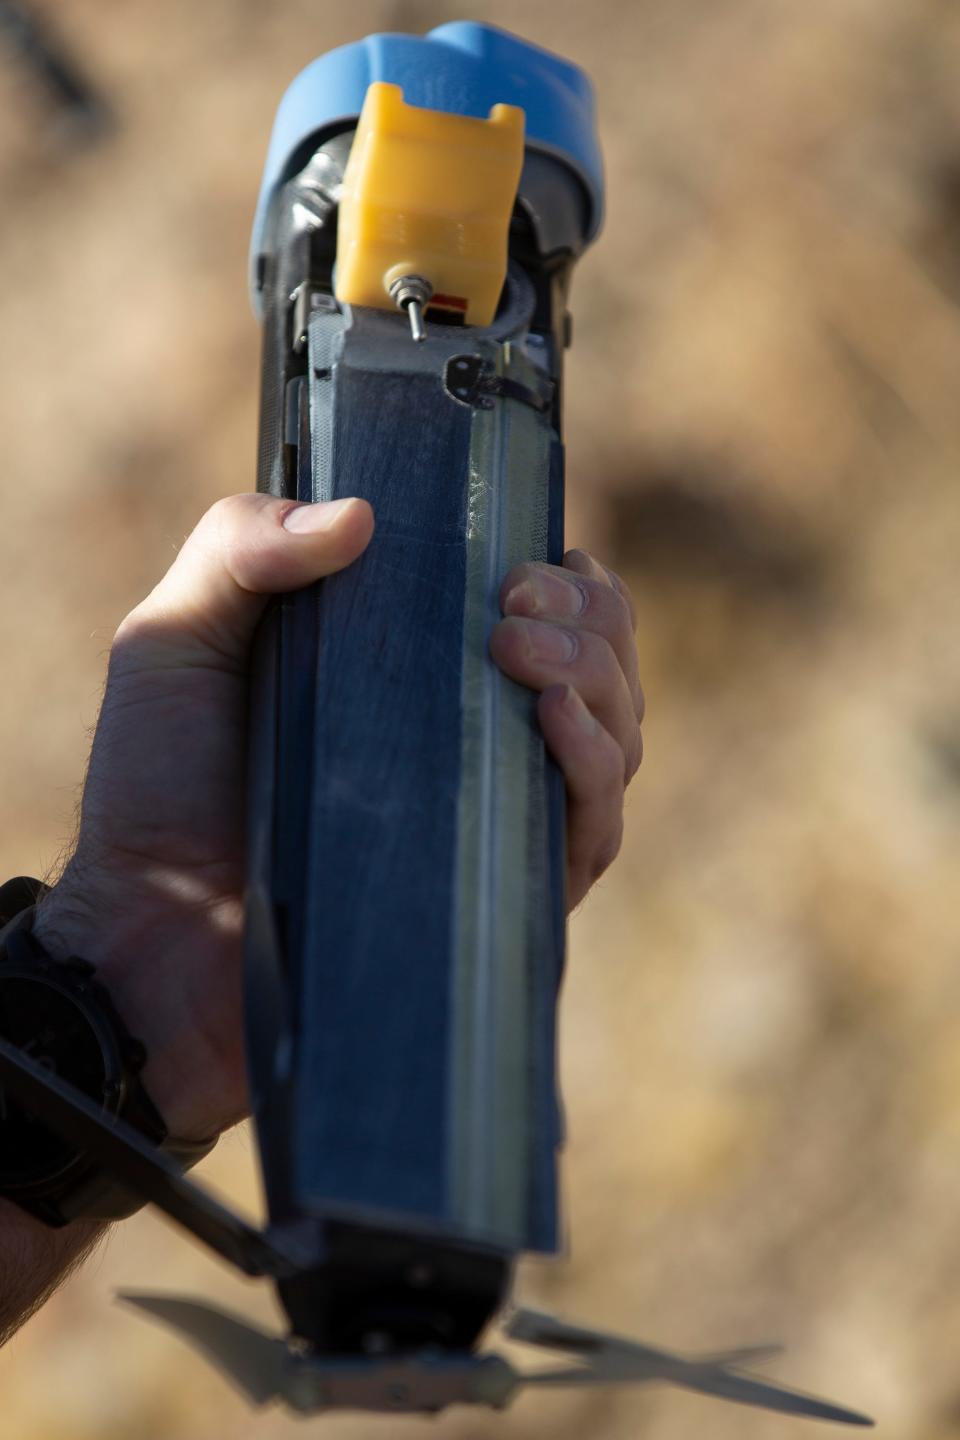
449 302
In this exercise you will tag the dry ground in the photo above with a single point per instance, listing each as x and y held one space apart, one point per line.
761 1029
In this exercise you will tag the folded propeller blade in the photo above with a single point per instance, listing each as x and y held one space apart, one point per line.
611 1360
746 1355
712 1380
265 1368
257 1363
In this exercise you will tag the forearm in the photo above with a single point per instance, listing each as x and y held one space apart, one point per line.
35 1260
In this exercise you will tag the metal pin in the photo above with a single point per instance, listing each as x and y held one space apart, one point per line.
415 312
411 293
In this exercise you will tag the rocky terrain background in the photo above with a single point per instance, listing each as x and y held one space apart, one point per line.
761 1023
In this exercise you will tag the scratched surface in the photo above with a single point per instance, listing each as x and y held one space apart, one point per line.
760 1035
380 732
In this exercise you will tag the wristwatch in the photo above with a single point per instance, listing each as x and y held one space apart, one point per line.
60 1015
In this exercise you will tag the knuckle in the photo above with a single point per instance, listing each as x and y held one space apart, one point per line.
215 528
223 514
601 655
619 584
228 518
640 703
610 764
131 628
623 590
633 756
607 611
230 507
606 850
621 614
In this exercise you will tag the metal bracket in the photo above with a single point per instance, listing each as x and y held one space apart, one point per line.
472 381
307 301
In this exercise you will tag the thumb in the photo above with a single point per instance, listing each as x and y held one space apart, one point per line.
245 548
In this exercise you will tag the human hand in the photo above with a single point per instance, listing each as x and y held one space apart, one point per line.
569 633
153 892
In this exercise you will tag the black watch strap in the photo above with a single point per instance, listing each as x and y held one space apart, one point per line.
90 1191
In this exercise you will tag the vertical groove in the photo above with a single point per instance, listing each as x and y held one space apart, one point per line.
499 886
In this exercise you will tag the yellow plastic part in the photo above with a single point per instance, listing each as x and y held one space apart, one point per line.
430 194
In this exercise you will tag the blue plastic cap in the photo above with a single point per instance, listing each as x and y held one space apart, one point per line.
463 68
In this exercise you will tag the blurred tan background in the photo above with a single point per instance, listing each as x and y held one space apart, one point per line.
761 1025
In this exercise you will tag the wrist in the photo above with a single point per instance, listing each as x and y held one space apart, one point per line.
180 1075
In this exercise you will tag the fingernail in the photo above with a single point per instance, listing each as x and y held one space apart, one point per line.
550 642
311 519
577 712
545 594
